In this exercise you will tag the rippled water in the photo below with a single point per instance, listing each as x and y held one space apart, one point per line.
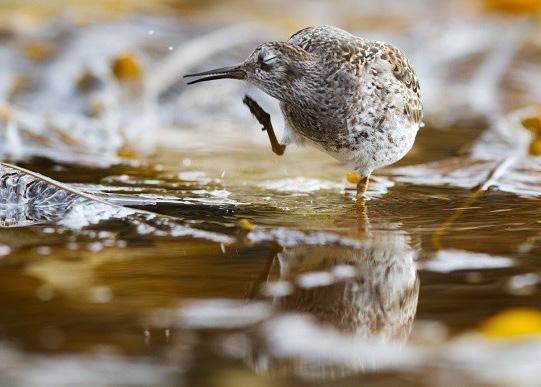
380 293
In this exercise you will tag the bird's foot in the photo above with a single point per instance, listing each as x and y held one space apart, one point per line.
362 185
264 119
360 199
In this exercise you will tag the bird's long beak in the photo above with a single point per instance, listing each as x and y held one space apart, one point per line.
231 72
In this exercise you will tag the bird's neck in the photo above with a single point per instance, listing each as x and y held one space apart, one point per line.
305 91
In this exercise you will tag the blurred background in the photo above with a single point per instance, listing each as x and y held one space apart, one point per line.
91 79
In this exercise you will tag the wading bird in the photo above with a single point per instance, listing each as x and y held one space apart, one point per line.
356 99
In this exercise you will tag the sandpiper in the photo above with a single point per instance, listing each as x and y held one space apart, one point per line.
356 99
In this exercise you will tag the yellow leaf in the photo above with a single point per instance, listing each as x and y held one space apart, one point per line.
512 323
533 124
513 6
353 177
246 225
125 67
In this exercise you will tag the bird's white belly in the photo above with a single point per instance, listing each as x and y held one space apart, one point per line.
378 150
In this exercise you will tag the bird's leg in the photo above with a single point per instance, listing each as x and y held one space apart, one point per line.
264 119
361 188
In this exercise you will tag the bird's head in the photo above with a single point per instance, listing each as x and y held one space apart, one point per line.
278 68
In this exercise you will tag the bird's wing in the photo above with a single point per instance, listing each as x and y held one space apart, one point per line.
401 68
403 71
331 44
334 45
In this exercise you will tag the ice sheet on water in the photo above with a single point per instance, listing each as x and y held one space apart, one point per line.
28 198
89 213
379 185
301 185
133 196
222 313
20 369
446 261
157 225
289 238
499 159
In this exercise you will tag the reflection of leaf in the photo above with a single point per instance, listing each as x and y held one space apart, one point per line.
512 323
499 159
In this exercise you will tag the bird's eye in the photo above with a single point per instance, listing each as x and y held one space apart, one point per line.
267 61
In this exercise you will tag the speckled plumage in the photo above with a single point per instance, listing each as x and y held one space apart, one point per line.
355 99
367 107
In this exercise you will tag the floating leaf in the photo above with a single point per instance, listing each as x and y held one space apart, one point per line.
512 323
246 225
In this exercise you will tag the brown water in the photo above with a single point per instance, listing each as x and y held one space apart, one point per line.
112 293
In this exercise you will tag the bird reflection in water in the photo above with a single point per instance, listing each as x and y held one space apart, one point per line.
341 300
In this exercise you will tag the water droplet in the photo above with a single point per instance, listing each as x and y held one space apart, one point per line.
151 32
170 48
